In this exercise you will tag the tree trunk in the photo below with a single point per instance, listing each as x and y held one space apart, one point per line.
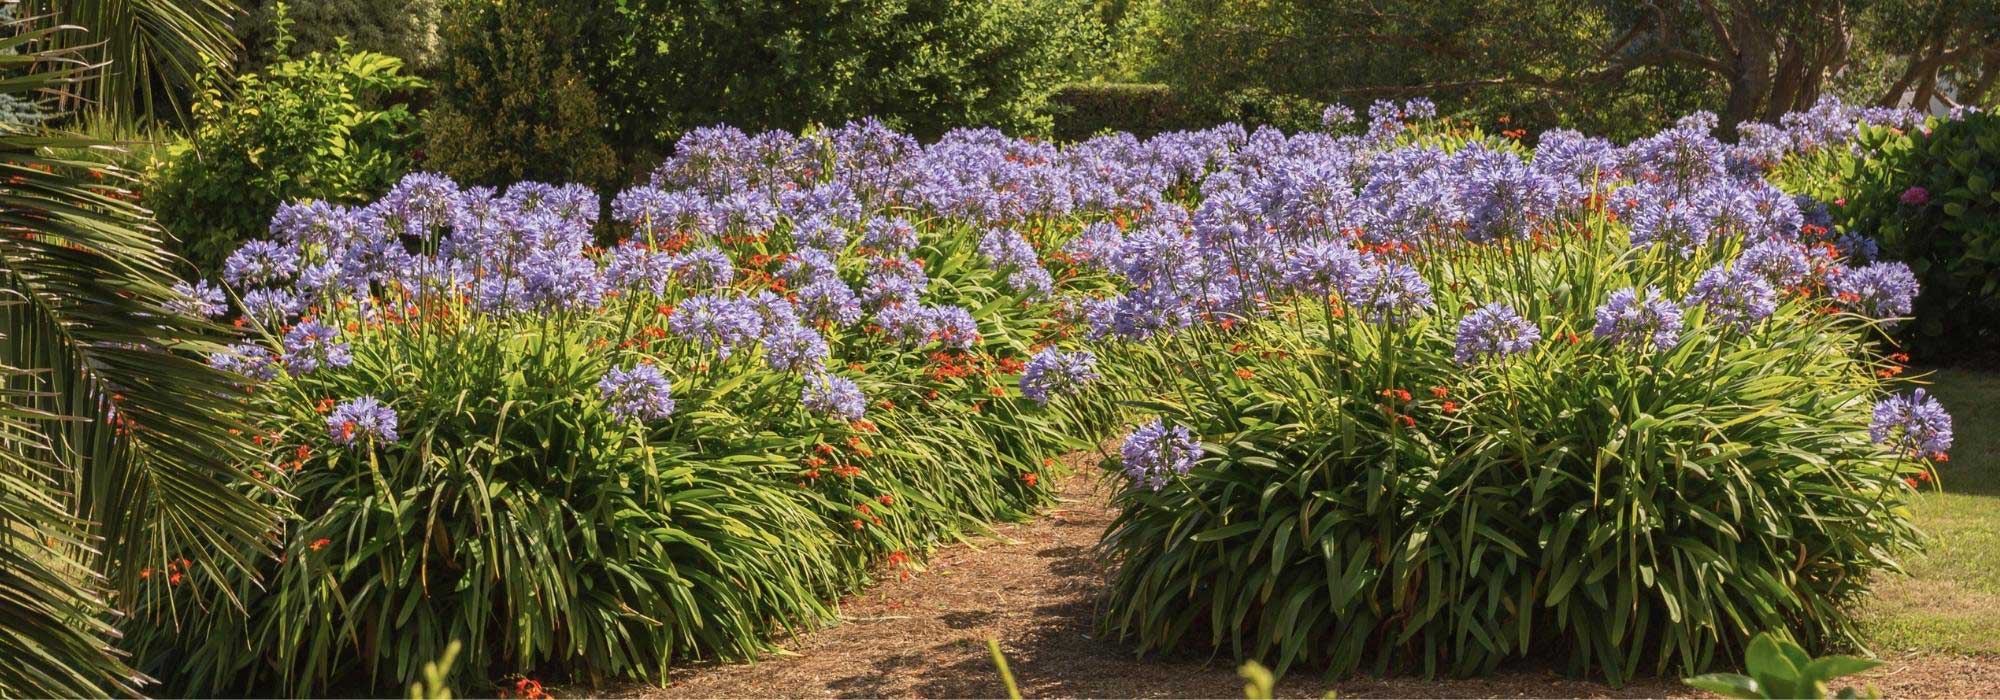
1749 69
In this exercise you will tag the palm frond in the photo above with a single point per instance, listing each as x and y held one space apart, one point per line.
117 444
155 50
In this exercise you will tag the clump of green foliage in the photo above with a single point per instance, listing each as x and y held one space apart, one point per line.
1927 197
581 91
1776 667
406 29
1361 500
325 126
515 101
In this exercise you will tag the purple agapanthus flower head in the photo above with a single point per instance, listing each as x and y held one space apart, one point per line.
1096 244
260 263
360 420
1155 453
1679 226
704 268
889 235
1628 319
894 281
248 359
201 299
1007 248
1052 373
835 397
794 348
716 322
1389 292
634 266
271 307
1032 282
311 345
1336 115
954 326
1493 330
830 300
1738 299
1915 424
808 265
1883 290
819 232
1321 267
1781 264
641 393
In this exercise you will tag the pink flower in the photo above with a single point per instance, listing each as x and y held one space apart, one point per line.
1916 196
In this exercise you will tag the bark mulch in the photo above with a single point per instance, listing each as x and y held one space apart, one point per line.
1033 587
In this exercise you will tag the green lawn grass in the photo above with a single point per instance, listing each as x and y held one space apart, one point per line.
1950 602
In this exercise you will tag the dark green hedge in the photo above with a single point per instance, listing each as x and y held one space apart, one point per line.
1083 110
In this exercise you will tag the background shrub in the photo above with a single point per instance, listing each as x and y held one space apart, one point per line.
1083 110
327 126
921 66
515 100
406 29
1926 197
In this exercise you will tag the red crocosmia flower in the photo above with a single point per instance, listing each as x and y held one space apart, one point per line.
1440 392
885 499
1245 373
321 543
856 523
1451 407
1030 478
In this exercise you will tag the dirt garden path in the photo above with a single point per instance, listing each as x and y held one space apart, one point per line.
1034 586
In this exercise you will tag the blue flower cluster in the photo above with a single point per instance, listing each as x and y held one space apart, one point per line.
1628 319
360 420
1493 330
1052 373
1155 453
641 393
1915 424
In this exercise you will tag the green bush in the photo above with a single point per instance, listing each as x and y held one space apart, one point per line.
1083 110
1365 502
326 126
1778 668
1927 198
920 66
515 512
514 100
406 29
